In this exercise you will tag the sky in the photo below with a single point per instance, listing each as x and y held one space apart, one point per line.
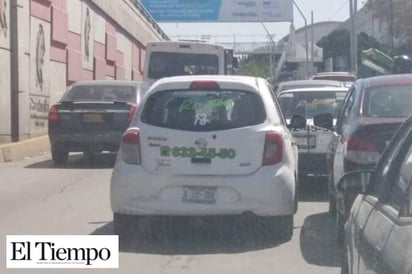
324 10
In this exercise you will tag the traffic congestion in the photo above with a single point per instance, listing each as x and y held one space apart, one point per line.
198 165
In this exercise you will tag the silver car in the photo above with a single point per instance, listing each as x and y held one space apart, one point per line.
378 233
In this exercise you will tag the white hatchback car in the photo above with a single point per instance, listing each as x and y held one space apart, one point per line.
203 146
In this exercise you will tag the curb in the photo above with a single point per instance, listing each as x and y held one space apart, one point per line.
25 149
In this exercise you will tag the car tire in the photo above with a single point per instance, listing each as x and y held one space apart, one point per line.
340 230
60 155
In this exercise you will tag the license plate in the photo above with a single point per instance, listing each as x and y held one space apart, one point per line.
199 195
93 118
306 142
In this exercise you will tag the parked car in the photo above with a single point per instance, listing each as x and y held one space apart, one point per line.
306 84
373 110
206 145
312 136
91 117
378 233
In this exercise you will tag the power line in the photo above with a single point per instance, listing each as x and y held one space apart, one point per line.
343 5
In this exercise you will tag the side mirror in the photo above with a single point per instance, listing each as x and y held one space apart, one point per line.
324 120
297 122
356 182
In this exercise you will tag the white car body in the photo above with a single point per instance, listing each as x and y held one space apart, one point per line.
313 141
157 185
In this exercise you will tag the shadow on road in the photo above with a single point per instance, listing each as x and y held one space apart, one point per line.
318 241
313 189
188 236
78 161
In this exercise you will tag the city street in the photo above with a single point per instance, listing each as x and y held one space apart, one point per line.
38 198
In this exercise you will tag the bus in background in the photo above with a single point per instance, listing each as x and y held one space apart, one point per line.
173 58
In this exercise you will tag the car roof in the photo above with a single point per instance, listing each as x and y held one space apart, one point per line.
387 80
321 89
107 83
225 81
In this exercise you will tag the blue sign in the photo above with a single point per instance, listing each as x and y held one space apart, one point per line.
220 10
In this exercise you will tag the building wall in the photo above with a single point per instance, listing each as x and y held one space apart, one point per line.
5 68
61 42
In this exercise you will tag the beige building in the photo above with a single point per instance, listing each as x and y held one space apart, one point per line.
46 45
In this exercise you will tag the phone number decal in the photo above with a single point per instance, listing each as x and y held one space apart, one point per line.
191 152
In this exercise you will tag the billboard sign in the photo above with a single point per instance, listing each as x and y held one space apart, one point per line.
220 10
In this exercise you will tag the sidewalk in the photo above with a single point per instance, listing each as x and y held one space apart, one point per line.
13 152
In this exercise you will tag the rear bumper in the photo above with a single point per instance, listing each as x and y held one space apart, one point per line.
88 141
312 163
267 192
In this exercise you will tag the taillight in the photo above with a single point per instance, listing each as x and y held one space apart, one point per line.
204 85
273 152
53 116
130 147
132 111
361 151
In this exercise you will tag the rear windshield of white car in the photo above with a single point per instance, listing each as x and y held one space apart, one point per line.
101 94
309 104
203 110
388 101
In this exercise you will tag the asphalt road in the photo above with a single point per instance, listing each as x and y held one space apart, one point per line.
39 198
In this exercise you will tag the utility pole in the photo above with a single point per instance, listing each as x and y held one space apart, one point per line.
391 24
272 49
353 7
306 40
312 52
14 70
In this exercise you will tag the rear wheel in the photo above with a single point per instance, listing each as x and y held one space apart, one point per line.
60 155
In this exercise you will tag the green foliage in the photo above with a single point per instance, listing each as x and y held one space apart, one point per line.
397 13
337 43
252 67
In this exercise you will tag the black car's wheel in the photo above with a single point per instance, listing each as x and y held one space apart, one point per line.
60 155
340 227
